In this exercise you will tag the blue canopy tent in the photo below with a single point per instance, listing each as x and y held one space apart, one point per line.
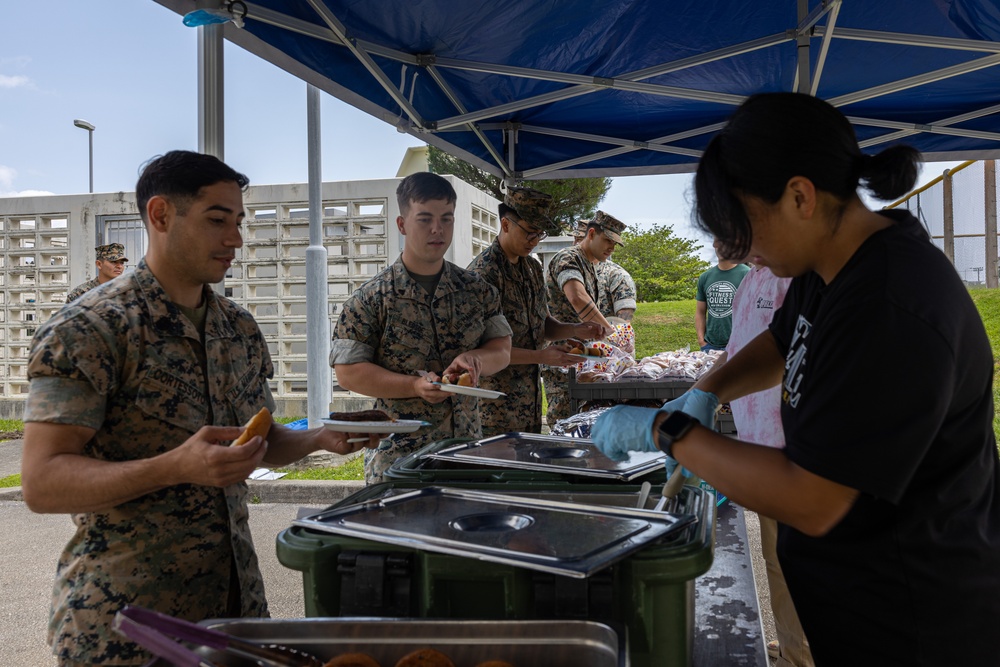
535 89
531 89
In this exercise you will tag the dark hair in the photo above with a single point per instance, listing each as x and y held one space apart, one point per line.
773 137
180 175
423 186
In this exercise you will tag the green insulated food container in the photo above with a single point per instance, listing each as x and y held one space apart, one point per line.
647 590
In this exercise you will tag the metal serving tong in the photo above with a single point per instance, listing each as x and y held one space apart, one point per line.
156 633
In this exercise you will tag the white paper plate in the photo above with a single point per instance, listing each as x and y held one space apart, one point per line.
470 391
589 357
398 426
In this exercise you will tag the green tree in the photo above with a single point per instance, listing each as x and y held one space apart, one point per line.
664 267
572 198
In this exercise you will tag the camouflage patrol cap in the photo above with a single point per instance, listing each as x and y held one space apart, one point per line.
612 227
112 252
532 206
581 229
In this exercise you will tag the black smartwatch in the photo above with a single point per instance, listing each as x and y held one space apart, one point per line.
673 428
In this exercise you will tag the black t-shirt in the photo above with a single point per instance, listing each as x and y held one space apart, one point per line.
888 390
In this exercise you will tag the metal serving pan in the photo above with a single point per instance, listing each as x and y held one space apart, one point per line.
550 453
563 538
521 643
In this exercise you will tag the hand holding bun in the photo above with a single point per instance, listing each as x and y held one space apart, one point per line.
259 424
463 380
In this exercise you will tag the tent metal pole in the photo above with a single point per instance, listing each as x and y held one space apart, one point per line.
211 101
211 106
803 71
990 199
319 374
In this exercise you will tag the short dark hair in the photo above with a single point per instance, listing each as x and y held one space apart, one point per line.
180 175
773 137
423 186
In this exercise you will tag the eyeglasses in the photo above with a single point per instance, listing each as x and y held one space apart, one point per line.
530 236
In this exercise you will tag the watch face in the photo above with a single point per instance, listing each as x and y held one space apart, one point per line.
677 424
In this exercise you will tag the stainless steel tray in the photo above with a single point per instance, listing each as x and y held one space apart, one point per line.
549 453
523 643
563 538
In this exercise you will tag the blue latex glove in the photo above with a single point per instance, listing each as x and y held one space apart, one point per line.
622 429
699 404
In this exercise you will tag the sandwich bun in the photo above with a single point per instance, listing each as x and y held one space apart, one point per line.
259 424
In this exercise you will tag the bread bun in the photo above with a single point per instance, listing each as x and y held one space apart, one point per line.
425 657
259 424
353 660
465 380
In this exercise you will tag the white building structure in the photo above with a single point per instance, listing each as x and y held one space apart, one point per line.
47 248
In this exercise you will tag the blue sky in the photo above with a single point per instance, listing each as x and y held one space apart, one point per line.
130 68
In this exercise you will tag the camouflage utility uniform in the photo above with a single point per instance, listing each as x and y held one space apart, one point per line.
80 290
522 293
618 288
123 360
567 264
391 321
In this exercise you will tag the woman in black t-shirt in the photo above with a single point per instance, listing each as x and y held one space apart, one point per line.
888 489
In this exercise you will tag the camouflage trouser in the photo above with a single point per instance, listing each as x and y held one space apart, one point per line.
557 395
378 461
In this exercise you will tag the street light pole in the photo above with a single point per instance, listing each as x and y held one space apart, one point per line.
89 127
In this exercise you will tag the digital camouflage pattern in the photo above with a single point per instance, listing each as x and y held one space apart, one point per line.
612 226
566 265
392 321
522 294
532 206
618 288
123 360
110 252
80 290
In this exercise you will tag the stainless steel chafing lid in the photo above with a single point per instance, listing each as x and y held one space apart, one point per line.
548 453
564 538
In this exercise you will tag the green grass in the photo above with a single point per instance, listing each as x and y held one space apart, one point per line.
353 469
664 325
9 481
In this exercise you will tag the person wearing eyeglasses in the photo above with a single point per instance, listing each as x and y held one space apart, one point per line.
507 264
575 293
111 261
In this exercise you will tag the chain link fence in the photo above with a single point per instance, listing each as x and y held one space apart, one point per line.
959 210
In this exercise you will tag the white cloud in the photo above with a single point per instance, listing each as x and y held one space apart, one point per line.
7 176
13 81
27 193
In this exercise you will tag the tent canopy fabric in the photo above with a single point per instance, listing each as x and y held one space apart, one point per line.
530 89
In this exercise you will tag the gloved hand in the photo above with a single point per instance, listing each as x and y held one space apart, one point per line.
622 429
699 404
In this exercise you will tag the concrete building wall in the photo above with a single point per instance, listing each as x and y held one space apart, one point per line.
47 248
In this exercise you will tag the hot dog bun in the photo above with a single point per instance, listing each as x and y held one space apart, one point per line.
259 424
352 660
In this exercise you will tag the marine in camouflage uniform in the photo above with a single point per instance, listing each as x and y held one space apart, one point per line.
393 322
567 265
522 291
81 289
107 255
618 293
124 361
